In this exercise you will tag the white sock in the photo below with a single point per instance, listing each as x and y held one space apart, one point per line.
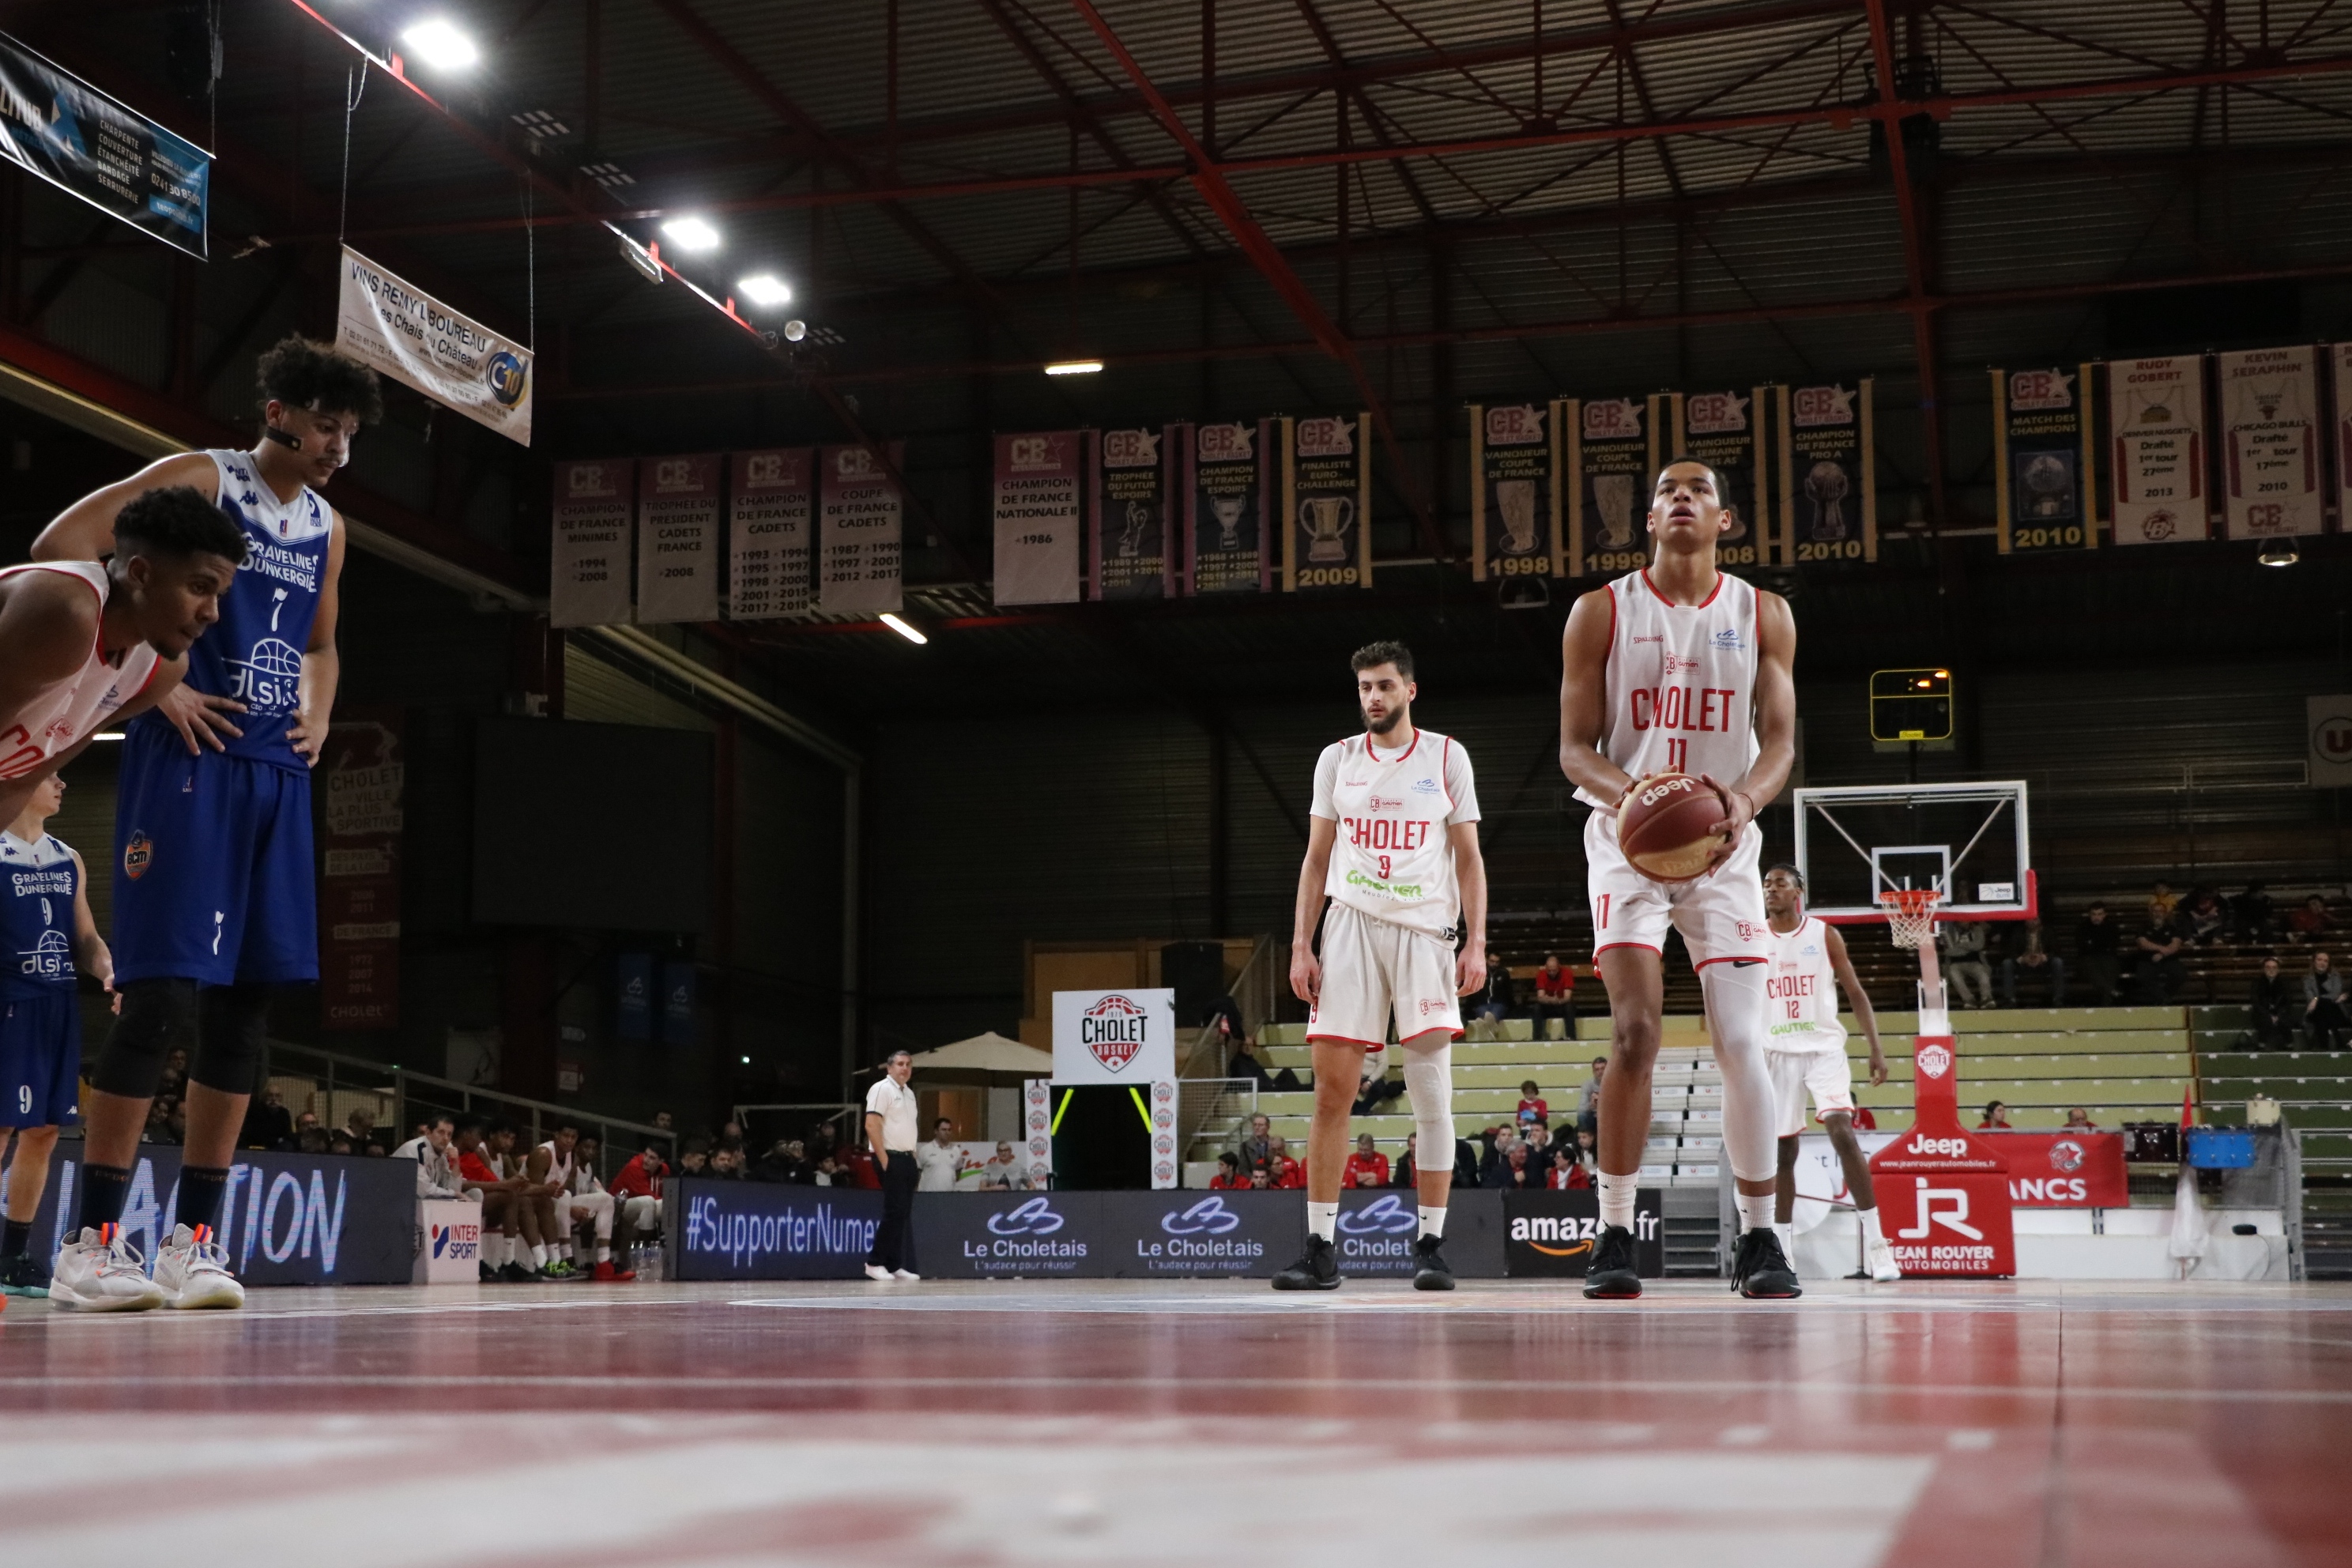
1788 1234
1869 1230
1433 1221
604 1253
1756 1210
506 1246
539 1258
1617 1200
1322 1219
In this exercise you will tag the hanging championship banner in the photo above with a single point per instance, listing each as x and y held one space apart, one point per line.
2340 359
588 572
1724 430
1611 460
2155 448
678 539
858 522
1225 507
1514 503
55 125
1037 519
2270 421
359 871
2042 494
1134 481
409 336
1829 473
768 533
1326 503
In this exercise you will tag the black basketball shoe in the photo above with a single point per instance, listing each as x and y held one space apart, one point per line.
1318 1269
1760 1271
1430 1270
1610 1277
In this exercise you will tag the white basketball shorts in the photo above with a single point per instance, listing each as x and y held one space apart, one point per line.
1720 915
1374 970
1826 1074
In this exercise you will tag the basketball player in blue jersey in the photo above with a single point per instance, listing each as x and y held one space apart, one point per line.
215 904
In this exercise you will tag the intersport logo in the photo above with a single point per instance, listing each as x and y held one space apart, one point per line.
1036 1217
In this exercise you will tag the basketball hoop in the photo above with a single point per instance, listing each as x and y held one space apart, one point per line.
1910 915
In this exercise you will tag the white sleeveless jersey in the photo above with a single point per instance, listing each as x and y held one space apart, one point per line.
1801 993
1392 859
1679 691
61 715
559 1167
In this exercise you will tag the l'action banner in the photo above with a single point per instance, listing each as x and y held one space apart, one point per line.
359 870
55 125
1515 490
678 539
1612 456
2155 448
1724 430
859 518
1326 503
2270 423
1829 473
1037 519
409 336
1114 1037
588 576
2042 487
1135 513
1225 508
769 530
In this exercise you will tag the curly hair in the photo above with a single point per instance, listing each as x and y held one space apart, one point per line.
304 373
1372 655
176 520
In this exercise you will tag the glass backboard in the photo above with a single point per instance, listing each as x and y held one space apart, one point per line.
1968 841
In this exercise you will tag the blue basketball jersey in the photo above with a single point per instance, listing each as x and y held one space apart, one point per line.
37 916
255 653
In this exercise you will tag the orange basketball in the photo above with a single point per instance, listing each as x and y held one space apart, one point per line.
1666 826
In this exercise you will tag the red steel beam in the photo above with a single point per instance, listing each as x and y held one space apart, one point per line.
1915 257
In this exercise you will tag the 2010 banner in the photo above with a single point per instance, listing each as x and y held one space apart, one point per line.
769 530
859 518
1827 467
1326 504
1226 503
1724 430
1134 483
678 539
588 576
2044 494
1611 450
1038 534
2156 449
1515 491
2270 423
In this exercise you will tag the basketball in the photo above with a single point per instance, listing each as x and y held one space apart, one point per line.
1666 826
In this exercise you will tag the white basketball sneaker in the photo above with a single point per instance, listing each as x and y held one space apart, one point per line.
905 1276
94 1274
878 1274
1883 1266
194 1273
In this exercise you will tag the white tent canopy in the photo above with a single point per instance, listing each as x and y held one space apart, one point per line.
989 1053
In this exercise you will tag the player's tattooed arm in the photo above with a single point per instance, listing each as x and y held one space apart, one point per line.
1842 965
322 661
85 531
1583 698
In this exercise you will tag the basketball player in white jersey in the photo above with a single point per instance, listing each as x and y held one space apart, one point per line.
1392 846
1678 668
1804 1050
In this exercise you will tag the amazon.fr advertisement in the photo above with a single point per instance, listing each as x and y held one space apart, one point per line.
1551 1234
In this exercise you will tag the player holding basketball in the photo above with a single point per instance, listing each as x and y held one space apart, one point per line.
1730 647
1392 846
215 902
1804 1050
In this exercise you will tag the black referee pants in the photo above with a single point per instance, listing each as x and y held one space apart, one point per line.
898 1179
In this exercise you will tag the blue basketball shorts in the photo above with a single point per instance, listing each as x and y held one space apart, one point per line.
212 871
40 1058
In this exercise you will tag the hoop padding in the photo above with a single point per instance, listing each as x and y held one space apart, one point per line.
1910 915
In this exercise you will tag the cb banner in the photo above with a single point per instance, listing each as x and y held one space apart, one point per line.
677 537
1134 484
1225 507
1613 456
588 578
1326 503
755 1230
1724 430
359 871
1038 524
57 126
1551 1234
769 529
390 323
2043 490
1829 473
2270 419
2155 447
1515 500
858 523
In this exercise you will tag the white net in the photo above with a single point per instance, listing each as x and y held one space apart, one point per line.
1910 915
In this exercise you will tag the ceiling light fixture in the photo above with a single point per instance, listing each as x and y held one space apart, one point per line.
439 43
2279 553
691 234
903 629
764 289
1075 367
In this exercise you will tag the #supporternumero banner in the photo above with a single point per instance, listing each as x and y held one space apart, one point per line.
409 336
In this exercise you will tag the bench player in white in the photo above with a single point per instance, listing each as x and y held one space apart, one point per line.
1678 668
1804 1050
1392 845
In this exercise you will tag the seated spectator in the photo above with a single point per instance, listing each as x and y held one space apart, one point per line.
637 1190
1243 1064
784 1164
1962 946
1518 1173
1251 1143
436 1168
1996 1119
508 1224
828 1175
584 1207
2156 977
730 1136
695 1160
1367 1167
2162 902
1566 1173
311 1141
2023 953
1494 1003
1229 1173
1864 1122
267 1123
1495 1164
2250 914
361 1126
2078 1120
175 1079
940 1161
1588 1104
1377 1089
1003 1173
727 1164
1406 1171
2200 919
1531 1103
159 1120
340 1142
2324 1017
1555 996
2311 923
1261 1179
2276 1009
2096 938
1285 1170
664 1123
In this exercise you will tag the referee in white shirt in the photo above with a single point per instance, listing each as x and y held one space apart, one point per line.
890 1128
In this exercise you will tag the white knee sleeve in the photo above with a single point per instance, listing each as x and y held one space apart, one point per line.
1429 1084
1735 1021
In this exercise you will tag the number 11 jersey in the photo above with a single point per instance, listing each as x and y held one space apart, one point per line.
1679 692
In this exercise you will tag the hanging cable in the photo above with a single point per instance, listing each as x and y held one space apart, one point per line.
352 96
